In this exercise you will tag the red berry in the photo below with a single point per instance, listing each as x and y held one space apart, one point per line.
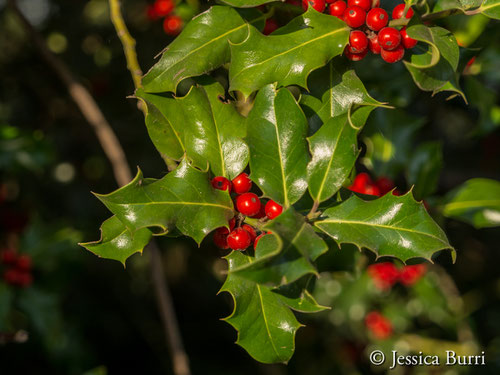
220 237
406 40
24 262
411 274
24 279
389 38
373 44
363 4
270 26
241 184
361 181
358 42
377 18
248 204
384 275
354 16
172 25
273 209
337 8
384 184
393 56
151 13
221 183
239 239
250 231
371 190
318 5
9 256
398 10
163 7
354 56
379 325
12 276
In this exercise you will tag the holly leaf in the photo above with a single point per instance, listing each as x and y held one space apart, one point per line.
389 226
285 255
248 3
434 67
297 296
276 131
491 8
334 151
173 201
117 242
208 128
266 326
201 47
476 202
424 168
286 58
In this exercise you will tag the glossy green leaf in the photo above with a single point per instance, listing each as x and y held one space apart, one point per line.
314 38
424 169
208 128
297 296
248 3
285 255
389 226
201 47
334 151
476 202
491 8
266 326
117 242
174 200
276 136
434 68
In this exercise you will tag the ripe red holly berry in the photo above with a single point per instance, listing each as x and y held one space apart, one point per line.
24 279
11 276
241 184
270 26
221 183
273 209
376 19
23 262
163 7
384 184
248 204
220 237
172 24
358 42
232 223
373 44
337 8
363 4
371 190
406 40
239 239
354 56
379 325
354 16
389 38
393 56
409 275
261 213
251 231
384 275
398 11
318 5
8 256
151 13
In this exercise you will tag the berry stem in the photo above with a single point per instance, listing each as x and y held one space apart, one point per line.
313 214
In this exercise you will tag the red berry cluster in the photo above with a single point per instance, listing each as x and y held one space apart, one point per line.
371 21
18 268
240 236
364 184
379 325
172 24
386 274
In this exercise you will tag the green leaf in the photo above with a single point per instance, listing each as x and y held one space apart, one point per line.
312 40
201 47
184 198
266 326
424 169
334 151
209 129
285 255
476 202
276 136
434 69
297 296
117 242
248 3
491 8
389 226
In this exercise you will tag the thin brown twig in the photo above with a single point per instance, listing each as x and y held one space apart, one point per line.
114 152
